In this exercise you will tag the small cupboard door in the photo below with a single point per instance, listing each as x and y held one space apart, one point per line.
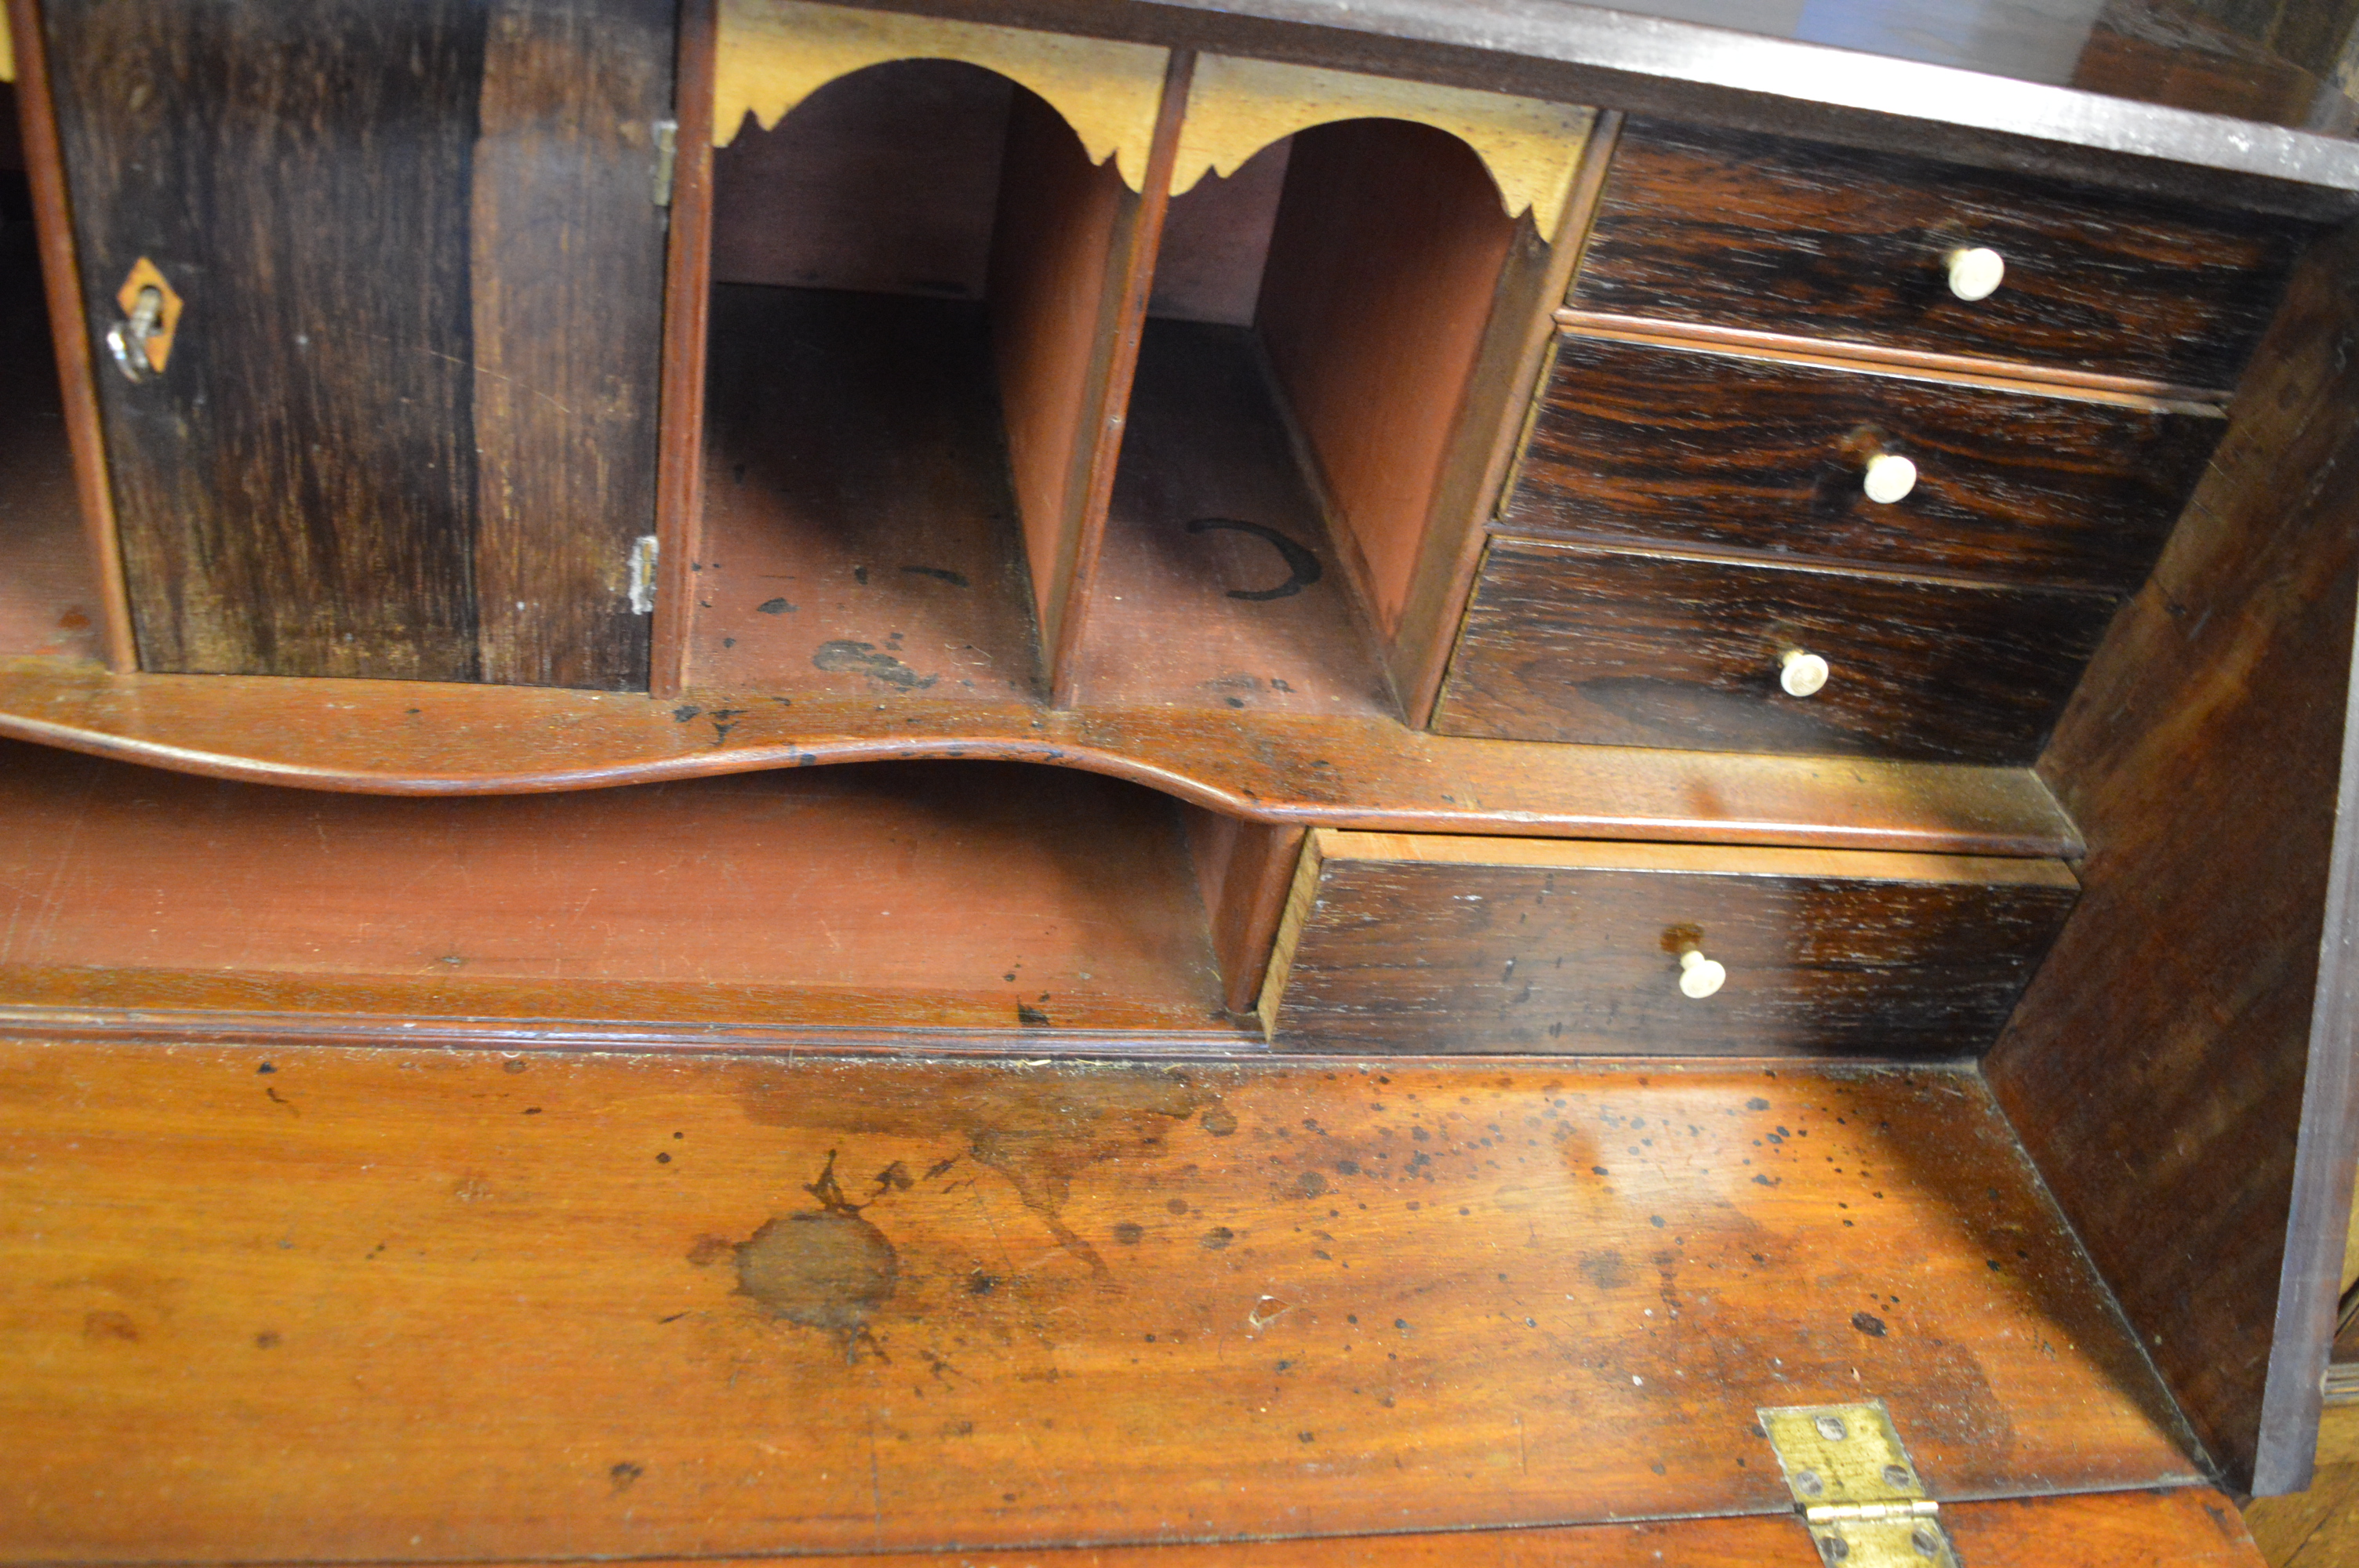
407 258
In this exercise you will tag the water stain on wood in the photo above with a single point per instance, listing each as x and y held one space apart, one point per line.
826 1268
1038 1131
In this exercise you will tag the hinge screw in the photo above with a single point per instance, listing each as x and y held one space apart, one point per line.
1897 1476
1926 1544
1832 1428
1833 1548
1809 1484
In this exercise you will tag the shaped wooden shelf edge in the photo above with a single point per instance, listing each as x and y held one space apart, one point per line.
422 738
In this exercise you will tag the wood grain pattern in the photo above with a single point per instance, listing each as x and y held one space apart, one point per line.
1638 444
1193 603
399 296
226 145
1242 870
424 1306
687 332
1620 648
567 291
1721 226
48 590
1266 766
975 896
37 129
1382 271
1413 943
859 536
2157 1064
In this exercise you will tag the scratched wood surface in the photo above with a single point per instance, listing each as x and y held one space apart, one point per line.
380 286
1429 942
1218 586
49 599
945 895
1707 225
860 538
1635 443
2168 1527
396 1306
1618 646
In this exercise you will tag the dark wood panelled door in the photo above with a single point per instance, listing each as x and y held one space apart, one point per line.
405 425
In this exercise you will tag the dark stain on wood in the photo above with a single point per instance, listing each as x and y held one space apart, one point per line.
1635 443
1614 647
1732 228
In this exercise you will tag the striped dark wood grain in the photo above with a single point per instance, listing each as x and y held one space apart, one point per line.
1635 442
1625 649
1515 946
1728 228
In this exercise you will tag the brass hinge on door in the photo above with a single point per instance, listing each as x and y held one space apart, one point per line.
1858 1494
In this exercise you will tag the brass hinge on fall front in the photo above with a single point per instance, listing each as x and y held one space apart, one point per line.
1853 1485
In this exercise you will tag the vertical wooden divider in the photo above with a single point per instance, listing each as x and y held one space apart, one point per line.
688 303
1122 321
1491 423
62 277
1071 266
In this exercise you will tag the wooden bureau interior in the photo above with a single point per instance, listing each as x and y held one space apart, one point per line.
1155 659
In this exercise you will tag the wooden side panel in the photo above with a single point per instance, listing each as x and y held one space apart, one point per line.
1623 649
428 1306
1635 443
567 296
370 292
1242 870
329 527
1742 230
1055 293
2158 1068
687 342
1380 282
1399 944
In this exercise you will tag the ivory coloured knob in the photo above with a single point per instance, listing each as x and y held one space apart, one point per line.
1889 477
1700 977
1976 273
1801 674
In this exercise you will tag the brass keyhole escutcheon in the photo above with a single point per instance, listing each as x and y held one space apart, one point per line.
141 343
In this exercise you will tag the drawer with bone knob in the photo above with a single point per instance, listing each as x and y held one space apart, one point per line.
1630 648
1425 943
1727 229
1720 452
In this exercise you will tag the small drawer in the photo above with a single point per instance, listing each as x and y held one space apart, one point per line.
1640 443
1424 942
1729 229
1624 648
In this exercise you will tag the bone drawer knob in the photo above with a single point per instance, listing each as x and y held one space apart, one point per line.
1889 477
1975 274
1700 977
1801 674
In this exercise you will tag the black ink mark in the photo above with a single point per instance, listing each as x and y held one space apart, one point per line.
772 607
956 580
1300 564
864 659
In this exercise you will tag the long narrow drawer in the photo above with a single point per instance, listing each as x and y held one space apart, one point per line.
1731 229
1624 648
1425 943
1639 443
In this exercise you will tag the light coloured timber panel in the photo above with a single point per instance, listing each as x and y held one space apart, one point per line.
1236 107
444 1305
773 54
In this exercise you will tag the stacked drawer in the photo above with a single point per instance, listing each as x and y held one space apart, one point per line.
1852 454
1837 453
